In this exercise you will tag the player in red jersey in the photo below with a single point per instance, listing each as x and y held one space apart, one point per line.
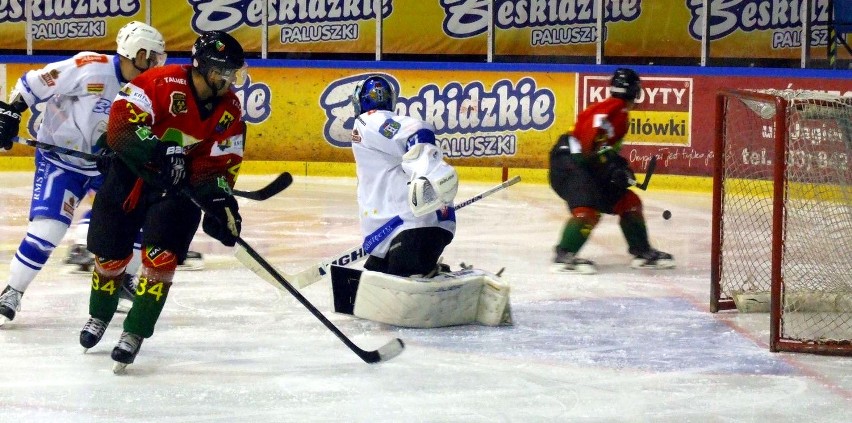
177 127
589 174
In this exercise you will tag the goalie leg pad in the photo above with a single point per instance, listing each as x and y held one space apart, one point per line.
456 298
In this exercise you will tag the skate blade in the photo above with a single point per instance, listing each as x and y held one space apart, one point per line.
660 264
583 269
119 368
191 265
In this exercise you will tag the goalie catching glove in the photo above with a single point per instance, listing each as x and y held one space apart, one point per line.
434 183
222 219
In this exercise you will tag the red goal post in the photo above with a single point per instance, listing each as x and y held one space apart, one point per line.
782 215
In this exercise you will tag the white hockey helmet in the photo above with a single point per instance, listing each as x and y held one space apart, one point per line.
137 36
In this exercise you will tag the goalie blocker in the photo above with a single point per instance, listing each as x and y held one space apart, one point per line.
457 298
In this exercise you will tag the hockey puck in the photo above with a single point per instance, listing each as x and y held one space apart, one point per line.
667 214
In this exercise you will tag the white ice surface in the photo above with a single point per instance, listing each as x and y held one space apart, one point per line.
620 346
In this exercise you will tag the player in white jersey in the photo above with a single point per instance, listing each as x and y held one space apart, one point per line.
78 93
405 188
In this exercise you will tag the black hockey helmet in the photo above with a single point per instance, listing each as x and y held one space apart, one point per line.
625 84
217 50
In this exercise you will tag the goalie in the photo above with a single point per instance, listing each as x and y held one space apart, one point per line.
405 188
588 173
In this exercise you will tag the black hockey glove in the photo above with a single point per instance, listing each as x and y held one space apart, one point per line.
170 162
617 170
10 123
223 220
104 159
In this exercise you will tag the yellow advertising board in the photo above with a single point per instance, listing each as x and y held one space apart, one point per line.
480 118
435 27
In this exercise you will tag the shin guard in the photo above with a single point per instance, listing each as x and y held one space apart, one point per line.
106 284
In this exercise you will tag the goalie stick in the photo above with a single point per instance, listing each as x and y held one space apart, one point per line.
384 353
316 272
280 183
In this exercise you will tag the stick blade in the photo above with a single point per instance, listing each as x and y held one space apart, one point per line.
385 353
277 185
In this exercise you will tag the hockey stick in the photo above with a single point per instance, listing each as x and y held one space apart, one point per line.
277 185
280 183
316 272
385 353
648 173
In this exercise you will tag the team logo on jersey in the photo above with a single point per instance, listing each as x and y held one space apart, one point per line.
389 128
224 122
178 103
95 88
49 78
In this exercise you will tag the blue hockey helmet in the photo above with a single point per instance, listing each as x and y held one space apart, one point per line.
625 84
374 93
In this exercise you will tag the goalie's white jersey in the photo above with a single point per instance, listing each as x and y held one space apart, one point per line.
380 139
78 93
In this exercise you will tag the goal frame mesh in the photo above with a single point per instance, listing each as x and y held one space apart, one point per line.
773 108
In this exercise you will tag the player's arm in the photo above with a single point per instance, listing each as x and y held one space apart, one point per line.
32 88
215 167
433 182
129 134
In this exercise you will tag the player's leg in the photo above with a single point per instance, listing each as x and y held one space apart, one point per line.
632 223
416 251
579 190
56 194
110 238
78 254
169 228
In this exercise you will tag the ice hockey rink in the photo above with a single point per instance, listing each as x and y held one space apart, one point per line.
620 346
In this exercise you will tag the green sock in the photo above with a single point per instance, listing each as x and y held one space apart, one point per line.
103 299
574 235
147 304
635 232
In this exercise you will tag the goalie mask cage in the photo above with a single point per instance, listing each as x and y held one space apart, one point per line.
782 215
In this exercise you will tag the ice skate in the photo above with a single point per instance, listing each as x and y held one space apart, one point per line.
92 333
125 351
126 293
567 262
194 261
10 304
79 256
652 259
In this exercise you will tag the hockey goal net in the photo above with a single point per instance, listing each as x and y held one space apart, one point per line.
782 215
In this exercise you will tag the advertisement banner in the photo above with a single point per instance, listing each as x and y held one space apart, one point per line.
325 27
449 27
67 25
180 22
480 118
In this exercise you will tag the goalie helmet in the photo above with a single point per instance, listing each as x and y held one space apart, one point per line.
374 93
137 36
217 50
625 84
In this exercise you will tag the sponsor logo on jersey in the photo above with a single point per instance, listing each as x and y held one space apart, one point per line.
356 136
224 122
49 78
92 58
95 88
178 103
230 145
69 204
